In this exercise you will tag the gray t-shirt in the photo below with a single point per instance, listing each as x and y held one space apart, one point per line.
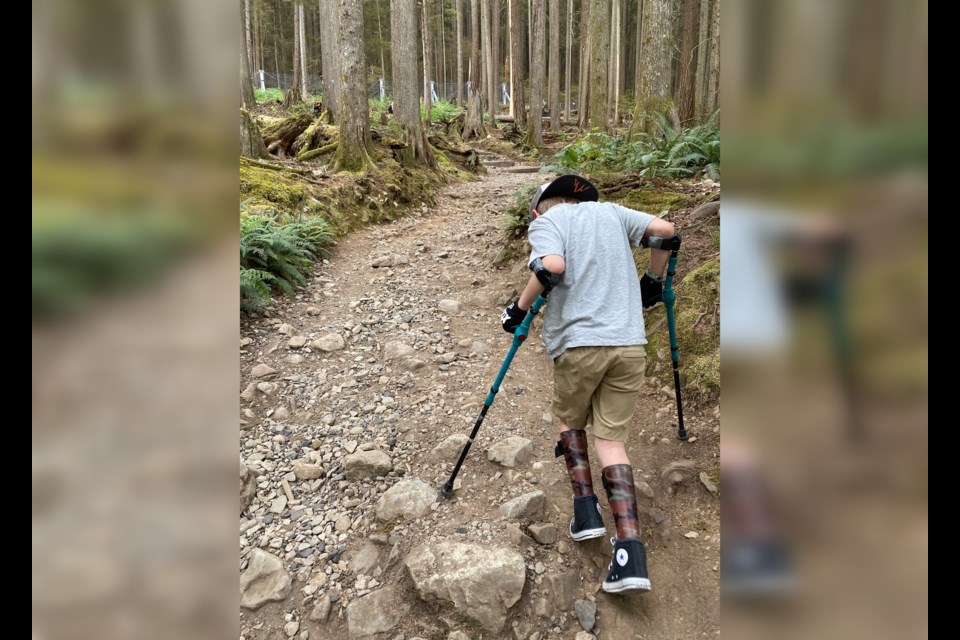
598 302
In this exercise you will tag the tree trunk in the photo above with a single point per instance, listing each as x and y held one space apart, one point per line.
583 109
534 136
248 37
294 93
568 67
303 55
459 31
488 71
654 95
247 100
689 34
251 142
406 102
703 49
713 81
473 119
621 57
612 59
638 52
443 46
553 91
277 30
330 56
353 152
529 34
383 63
599 57
495 57
517 66
255 54
427 70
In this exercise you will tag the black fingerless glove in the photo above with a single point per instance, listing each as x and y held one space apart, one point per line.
651 290
511 317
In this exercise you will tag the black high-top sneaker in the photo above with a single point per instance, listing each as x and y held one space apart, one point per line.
586 522
628 569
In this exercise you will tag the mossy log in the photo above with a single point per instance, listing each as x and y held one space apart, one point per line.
463 155
316 153
281 136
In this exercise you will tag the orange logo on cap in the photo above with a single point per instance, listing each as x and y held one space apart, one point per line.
577 187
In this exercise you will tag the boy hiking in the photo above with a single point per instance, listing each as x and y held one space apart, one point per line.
593 329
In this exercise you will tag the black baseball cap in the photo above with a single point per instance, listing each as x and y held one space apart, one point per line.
569 186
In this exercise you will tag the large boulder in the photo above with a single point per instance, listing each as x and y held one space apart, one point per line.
408 499
367 464
482 583
264 580
510 451
528 507
374 613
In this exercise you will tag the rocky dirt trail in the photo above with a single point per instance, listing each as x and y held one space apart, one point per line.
356 397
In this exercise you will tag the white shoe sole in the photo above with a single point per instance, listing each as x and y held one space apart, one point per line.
586 534
627 584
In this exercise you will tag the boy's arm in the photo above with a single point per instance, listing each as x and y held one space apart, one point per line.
658 257
554 264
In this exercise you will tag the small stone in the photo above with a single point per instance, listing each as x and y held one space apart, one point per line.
691 535
544 533
328 342
321 611
297 342
547 418
397 351
350 446
367 464
262 370
307 471
479 346
449 306
511 451
365 560
658 517
586 613
342 524
708 483
542 608
643 488
449 448
294 358
529 506
562 588
278 505
458 635
382 261
584 635
514 534
291 629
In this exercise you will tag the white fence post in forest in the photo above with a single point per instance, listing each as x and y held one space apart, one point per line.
433 91
263 85
504 96
383 92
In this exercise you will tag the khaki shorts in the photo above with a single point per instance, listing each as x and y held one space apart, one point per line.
598 385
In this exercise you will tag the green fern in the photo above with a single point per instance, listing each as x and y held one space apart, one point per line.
278 255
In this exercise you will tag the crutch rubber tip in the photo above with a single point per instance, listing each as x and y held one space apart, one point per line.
682 436
446 490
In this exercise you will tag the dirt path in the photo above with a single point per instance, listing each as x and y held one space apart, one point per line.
320 405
